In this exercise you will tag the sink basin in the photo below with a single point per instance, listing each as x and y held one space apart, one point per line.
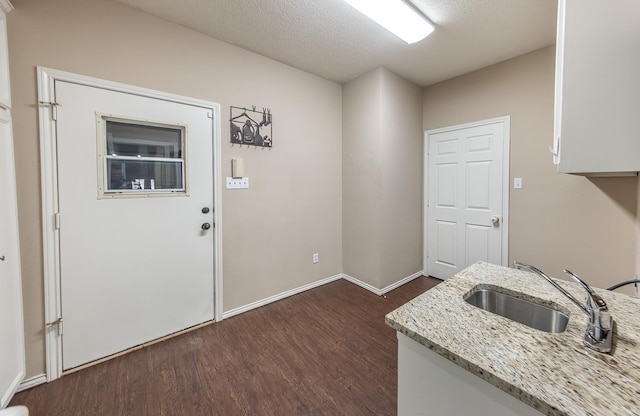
534 315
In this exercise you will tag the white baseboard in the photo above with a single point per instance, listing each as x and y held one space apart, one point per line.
32 382
384 290
270 299
362 284
401 282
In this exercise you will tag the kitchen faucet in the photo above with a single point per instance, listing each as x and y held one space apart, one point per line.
599 331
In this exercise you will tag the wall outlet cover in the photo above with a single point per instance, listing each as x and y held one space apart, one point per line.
237 183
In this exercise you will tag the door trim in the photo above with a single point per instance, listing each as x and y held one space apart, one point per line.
506 143
12 263
49 180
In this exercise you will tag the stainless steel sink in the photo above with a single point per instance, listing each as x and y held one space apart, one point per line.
534 315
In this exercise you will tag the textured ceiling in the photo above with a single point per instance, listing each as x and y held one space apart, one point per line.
331 39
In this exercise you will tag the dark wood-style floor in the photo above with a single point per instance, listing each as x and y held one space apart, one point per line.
326 351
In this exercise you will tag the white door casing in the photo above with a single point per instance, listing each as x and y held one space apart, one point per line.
12 359
466 196
12 345
129 269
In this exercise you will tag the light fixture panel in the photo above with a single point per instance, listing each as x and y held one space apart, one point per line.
397 17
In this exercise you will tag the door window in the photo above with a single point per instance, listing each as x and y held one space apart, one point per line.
140 159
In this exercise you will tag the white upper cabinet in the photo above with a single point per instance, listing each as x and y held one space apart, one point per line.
597 107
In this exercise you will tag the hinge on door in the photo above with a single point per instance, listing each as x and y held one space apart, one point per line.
56 220
54 109
57 322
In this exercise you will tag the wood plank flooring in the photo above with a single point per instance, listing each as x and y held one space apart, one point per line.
326 351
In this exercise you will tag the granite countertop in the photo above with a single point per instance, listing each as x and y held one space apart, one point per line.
554 373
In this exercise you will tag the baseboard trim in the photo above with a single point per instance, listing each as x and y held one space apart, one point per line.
384 290
402 282
274 298
32 382
362 284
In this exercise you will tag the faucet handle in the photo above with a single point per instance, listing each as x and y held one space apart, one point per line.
579 280
593 299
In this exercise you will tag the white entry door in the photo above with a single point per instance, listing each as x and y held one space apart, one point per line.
464 210
135 195
12 365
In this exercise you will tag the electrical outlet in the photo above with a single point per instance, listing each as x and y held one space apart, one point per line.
238 183
316 258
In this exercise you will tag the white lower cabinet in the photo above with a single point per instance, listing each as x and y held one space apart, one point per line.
429 384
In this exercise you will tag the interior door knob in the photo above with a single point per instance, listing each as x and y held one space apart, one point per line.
206 226
495 219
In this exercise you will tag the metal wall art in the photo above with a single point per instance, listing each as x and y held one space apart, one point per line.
245 129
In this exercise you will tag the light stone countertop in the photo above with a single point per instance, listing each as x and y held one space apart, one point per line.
554 373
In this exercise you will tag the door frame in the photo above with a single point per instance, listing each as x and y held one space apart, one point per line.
506 157
13 252
49 181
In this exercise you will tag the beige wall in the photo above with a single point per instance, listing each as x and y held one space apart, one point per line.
557 221
401 150
361 178
294 205
382 178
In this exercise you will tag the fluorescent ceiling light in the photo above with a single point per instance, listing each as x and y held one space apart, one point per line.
397 17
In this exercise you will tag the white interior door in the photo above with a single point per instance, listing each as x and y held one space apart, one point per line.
465 169
12 365
135 187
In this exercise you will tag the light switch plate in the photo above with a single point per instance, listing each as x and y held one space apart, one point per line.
237 168
238 183
517 183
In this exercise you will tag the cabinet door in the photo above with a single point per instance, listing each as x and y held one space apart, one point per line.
598 86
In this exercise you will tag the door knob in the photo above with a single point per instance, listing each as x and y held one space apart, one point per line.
206 226
495 219
1 258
